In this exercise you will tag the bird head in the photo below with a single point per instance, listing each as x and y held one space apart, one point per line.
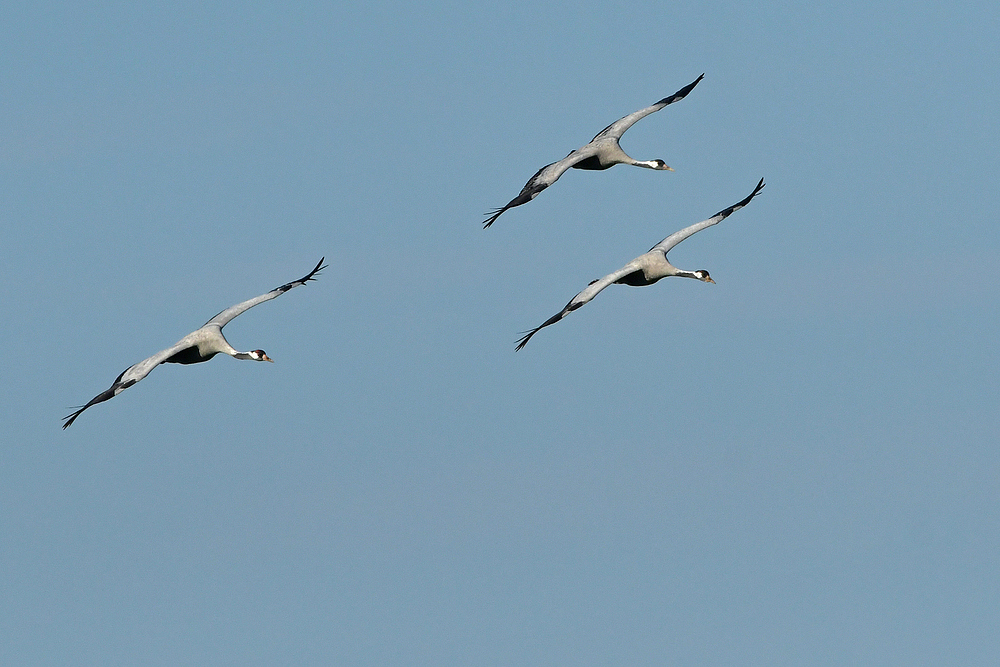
661 165
260 355
702 274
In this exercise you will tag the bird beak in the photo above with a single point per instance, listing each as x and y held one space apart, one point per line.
707 280
669 168
267 358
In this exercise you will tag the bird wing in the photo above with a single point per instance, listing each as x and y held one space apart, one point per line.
550 173
542 179
592 290
131 375
223 318
666 244
138 371
617 128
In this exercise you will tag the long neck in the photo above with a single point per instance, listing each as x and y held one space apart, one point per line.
218 343
615 154
700 274
682 273
625 158
648 164
662 267
210 341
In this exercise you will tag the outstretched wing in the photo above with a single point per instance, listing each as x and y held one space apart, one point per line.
542 179
138 371
592 290
617 128
223 318
130 376
666 244
550 173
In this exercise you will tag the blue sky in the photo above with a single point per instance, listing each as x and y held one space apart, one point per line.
797 465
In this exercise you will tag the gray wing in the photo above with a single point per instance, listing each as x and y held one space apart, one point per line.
617 128
542 179
592 290
223 318
666 244
131 375
138 371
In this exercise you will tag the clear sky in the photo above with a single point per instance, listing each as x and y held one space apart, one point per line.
797 465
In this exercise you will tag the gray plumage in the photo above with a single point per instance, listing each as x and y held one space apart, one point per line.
603 152
198 346
645 269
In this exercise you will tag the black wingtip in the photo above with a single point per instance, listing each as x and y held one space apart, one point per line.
311 275
528 192
740 204
304 279
688 88
523 340
493 217
756 191
495 213
682 93
70 418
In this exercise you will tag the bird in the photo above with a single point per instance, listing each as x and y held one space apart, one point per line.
603 152
645 269
200 345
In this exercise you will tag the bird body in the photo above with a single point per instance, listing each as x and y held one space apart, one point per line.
645 269
201 345
603 152
198 346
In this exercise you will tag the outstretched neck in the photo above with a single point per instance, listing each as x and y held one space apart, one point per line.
659 165
700 274
252 355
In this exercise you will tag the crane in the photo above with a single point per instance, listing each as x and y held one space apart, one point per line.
200 345
645 269
603 152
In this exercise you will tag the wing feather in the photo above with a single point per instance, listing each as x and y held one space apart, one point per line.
227 315
617 128
138 371
542 179
130 376
666 244
550 173
585 296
